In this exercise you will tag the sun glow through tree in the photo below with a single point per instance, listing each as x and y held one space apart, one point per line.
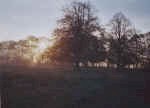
40 48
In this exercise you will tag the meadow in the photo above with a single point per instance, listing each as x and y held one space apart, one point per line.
26 87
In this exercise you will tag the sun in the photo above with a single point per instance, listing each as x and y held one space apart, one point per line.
40 48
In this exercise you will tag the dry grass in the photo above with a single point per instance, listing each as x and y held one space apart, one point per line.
27 87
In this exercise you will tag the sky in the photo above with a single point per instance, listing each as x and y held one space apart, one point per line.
22 18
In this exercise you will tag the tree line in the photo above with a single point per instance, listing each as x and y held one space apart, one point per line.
21 52
81 40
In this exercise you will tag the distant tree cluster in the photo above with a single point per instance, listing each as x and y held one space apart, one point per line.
19 52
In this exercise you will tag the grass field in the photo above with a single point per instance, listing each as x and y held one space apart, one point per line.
23 87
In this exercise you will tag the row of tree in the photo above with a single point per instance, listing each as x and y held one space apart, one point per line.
80 39
22 51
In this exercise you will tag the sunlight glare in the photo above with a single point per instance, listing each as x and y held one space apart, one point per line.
42 45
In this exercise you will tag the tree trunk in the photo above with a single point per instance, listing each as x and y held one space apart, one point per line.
76 66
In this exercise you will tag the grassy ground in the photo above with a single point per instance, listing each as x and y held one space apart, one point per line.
24 87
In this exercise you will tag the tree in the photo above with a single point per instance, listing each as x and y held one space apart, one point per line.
76 33
146 57
121 32
137 48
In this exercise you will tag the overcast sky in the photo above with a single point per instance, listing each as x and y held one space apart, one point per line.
21 18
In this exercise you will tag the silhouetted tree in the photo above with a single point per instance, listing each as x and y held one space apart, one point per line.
137 48
121 32
76 33
146 53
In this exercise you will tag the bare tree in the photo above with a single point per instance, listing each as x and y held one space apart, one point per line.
121 32
76 31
